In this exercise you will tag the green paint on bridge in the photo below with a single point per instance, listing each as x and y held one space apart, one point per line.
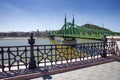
70 30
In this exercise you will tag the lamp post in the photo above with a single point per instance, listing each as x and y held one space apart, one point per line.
104 46
32 63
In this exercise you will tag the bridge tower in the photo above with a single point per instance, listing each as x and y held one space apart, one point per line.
68 40
65 26
73 21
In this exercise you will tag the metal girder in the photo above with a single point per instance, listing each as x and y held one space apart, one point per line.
74 31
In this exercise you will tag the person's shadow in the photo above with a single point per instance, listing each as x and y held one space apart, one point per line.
47 77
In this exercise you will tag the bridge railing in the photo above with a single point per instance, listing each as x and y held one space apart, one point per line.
18 57
14 57
52 55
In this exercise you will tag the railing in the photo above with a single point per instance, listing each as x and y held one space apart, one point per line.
53 57
13 57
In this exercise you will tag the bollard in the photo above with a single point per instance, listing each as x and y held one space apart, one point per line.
104 39
32 63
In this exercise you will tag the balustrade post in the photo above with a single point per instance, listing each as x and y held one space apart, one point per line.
32 63
104 39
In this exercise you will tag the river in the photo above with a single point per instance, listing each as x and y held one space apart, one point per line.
38 41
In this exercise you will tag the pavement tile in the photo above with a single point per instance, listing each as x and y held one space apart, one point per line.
108 71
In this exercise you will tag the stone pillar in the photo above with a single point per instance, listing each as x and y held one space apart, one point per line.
52 37
69 41
32 63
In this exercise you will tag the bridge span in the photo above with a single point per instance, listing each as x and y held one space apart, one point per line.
73 31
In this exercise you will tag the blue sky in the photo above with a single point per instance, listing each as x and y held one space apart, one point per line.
30 15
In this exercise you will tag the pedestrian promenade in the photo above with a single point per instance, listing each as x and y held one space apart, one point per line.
108 71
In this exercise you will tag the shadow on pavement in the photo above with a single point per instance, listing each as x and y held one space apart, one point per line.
48 77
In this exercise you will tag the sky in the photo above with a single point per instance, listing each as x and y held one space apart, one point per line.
30 15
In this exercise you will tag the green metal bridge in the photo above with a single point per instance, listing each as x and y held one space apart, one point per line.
70 30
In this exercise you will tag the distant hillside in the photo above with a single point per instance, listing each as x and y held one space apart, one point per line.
95 27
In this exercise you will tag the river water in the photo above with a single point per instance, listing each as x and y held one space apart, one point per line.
38 41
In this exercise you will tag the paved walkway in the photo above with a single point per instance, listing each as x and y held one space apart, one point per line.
108 71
